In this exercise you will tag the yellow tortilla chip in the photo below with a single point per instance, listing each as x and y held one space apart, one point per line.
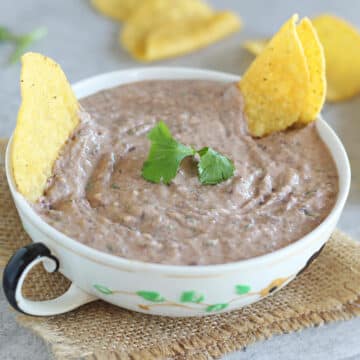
151 15
48 115
341 43
315 59
161 28
276 85
116 9
184 36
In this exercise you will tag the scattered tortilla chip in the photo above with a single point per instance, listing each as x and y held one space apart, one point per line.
48 115
152 14
189 35
341 43
255 47
315 58
116 9
160 28
276 85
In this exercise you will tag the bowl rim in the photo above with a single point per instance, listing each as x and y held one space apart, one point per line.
110 79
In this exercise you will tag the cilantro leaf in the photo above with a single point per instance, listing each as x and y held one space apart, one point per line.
213 167
165 155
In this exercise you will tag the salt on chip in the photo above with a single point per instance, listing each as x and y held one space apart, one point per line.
48 115
315 59
116 9
276 85
341 43
162 28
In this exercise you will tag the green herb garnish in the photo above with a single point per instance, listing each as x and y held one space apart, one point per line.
213 167
21 42
166 155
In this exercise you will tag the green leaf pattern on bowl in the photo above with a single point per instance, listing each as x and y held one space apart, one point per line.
242 289
216 307
151 296
188 296
103 289
192 297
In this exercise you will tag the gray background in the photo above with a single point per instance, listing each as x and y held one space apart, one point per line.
85 44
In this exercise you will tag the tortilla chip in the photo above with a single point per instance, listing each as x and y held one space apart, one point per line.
276 85
116 9
153 14
161 28
341 43
185 36
315 58
255 47
48 115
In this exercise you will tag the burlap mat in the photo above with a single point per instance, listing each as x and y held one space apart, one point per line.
329 290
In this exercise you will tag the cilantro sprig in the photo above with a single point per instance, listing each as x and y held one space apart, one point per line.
166 154
21 42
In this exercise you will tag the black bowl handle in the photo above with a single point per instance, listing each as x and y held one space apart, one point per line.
16 271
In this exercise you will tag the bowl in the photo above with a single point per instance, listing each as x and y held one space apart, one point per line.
159 289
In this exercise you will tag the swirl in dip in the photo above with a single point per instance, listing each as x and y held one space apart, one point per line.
284 185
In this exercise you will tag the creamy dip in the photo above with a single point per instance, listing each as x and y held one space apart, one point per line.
284 185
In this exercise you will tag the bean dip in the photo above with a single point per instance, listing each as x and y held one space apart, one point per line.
284 185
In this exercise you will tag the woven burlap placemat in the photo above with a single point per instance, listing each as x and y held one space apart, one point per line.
329 290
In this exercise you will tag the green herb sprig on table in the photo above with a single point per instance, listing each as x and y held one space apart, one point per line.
166 154
21 42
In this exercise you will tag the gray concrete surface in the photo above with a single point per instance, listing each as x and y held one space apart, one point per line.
85 44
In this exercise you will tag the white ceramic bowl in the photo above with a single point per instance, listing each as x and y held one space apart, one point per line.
155 288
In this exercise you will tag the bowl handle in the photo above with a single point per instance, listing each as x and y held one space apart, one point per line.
16 271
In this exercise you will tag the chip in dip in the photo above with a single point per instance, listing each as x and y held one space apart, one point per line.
285 85
47 116
341 42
